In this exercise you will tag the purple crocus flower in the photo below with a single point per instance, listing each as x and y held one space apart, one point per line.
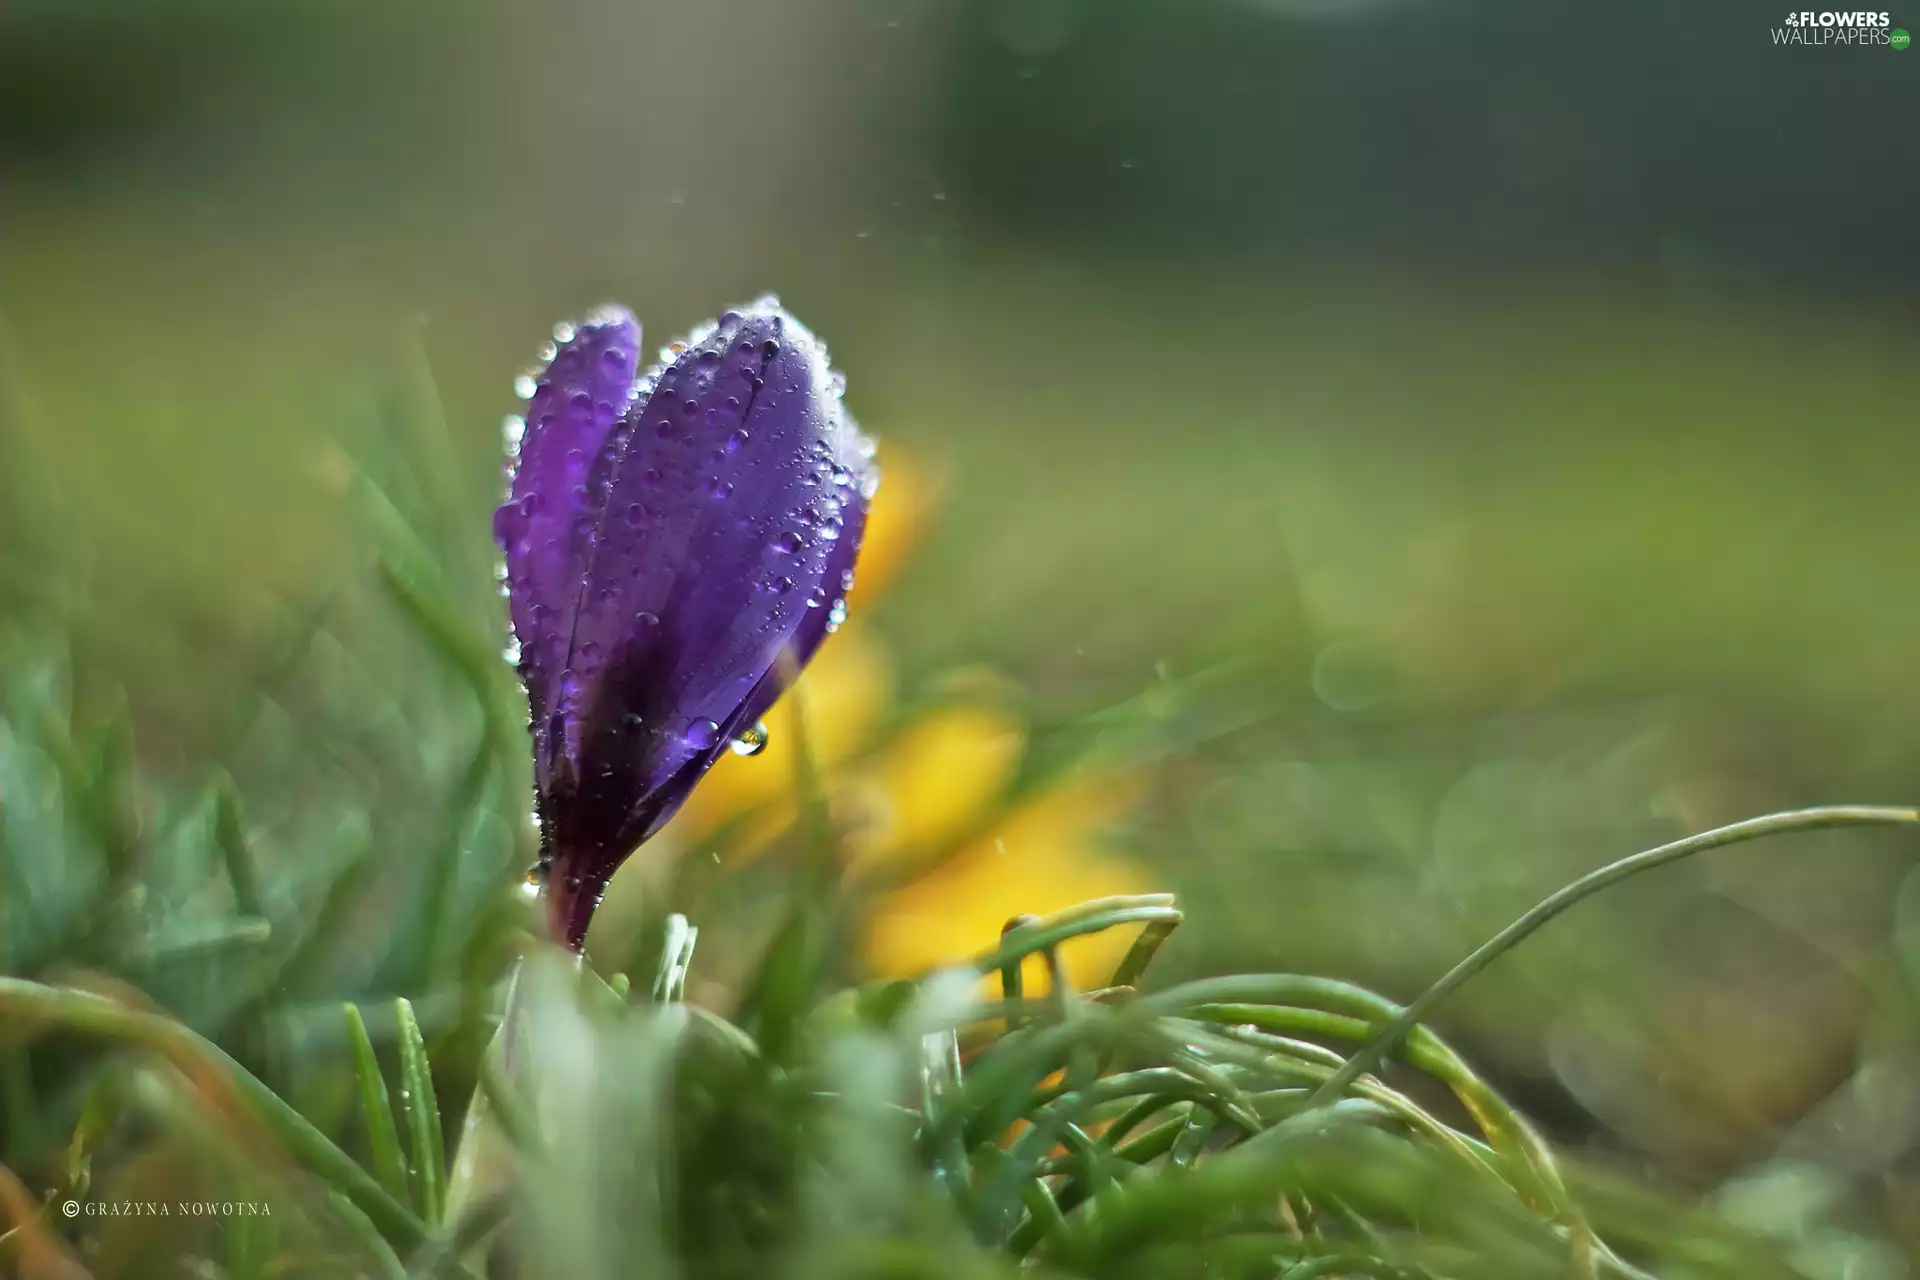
678 544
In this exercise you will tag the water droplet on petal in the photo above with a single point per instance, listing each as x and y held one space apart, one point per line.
720 489
751 742
524 386
564 331
535 880
736 440
512 652
789 542
701 735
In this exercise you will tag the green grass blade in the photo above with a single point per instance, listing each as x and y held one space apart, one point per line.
376 1107
423 1116
1585 887
207 1063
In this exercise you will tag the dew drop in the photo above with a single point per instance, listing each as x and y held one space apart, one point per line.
514 428
720 489
549 351
512 652
580 402
751 742
636 514
524 386
769 349
535 880
701 735
645 619
614 359
691 408
736 440
789 542
564 331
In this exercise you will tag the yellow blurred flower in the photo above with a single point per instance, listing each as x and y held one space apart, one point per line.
928 805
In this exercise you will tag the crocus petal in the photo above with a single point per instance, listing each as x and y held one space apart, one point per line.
735 497
545 526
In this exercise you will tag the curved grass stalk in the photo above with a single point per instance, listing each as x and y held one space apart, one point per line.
1376 1049
209 1066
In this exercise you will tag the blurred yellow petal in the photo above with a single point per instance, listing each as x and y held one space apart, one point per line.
1043 857
906 497
842 692
934 781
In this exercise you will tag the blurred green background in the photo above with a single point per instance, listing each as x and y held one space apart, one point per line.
1478 439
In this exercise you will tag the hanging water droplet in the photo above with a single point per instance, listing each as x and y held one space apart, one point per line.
548 352
564 331
514 428
512 652
836 384
751 742
524 386
701 735
534 881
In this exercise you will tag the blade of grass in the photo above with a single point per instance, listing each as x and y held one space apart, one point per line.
376 1107
1376 1049
207 1064
422 1113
